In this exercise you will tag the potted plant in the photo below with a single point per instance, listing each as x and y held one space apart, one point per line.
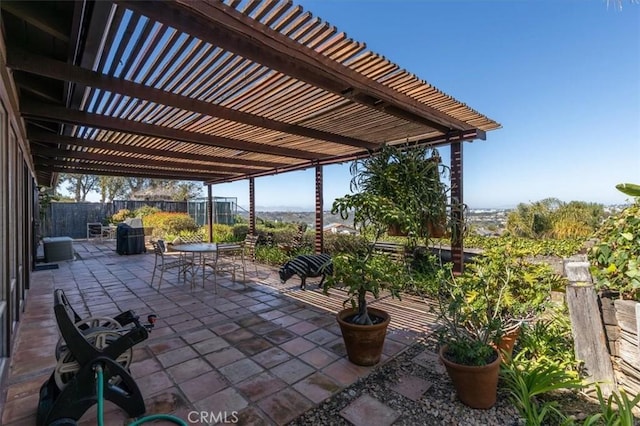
410 177
364 272
468 340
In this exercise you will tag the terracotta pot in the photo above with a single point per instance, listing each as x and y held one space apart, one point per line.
508 341
394 230
363 342
436 230
476 386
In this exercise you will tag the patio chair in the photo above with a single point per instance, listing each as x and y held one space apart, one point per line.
94 230
164 262
249 248
228 258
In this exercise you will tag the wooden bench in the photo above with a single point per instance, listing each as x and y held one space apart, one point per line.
395 251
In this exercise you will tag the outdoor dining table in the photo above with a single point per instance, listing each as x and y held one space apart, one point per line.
200 249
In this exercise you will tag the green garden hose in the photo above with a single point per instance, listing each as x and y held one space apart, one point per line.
100 397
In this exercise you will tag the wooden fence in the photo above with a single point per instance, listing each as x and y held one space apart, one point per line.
614 329
70 219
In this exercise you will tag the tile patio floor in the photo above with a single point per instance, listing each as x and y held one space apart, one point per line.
268 351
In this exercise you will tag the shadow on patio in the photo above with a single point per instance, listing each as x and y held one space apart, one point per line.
269 352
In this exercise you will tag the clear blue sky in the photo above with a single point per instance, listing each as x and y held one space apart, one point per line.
562 77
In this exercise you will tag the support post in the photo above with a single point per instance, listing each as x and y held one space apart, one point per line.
210 213
252 206
457 205
587 328
319 237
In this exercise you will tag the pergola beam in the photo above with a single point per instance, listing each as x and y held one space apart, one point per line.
451 137
223 26
98 169
135 161
37 16
54 139
55 113
61 169
18 59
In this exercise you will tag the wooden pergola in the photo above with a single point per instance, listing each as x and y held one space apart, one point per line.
215 92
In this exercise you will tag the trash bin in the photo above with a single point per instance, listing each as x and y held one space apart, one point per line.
129 240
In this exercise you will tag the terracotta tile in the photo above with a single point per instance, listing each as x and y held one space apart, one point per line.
344 372
240 370
223 357
337 347
238 336
251 416
279 335
175 356
186 326
293 370
284 406
323 320
271 357
189 369
303 327
297 346
317 387
223 402
210 345
154 382
285 321
367 410
198 335
253 346
167 345
318 357
143 368
203 385
392 348
320 337
412 387
270 315
257 387
431 361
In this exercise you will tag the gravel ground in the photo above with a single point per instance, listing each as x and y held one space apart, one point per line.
438 405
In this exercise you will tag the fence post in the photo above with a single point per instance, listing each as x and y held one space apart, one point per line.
587 327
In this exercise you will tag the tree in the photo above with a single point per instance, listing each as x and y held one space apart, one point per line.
78 184
110 187
552 218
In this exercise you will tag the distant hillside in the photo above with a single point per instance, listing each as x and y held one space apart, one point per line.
305 217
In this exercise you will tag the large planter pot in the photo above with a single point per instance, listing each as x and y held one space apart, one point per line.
395 230
437 229
507 342
363 342
476 386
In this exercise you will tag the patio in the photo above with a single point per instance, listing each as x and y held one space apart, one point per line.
269 352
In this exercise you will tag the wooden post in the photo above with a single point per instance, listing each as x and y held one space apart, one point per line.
252 206
587 329
319 240
457 217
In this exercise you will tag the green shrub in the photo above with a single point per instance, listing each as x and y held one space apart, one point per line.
221 233
615 259
166 224
271 255
240 231
344 243
145 211
121 215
